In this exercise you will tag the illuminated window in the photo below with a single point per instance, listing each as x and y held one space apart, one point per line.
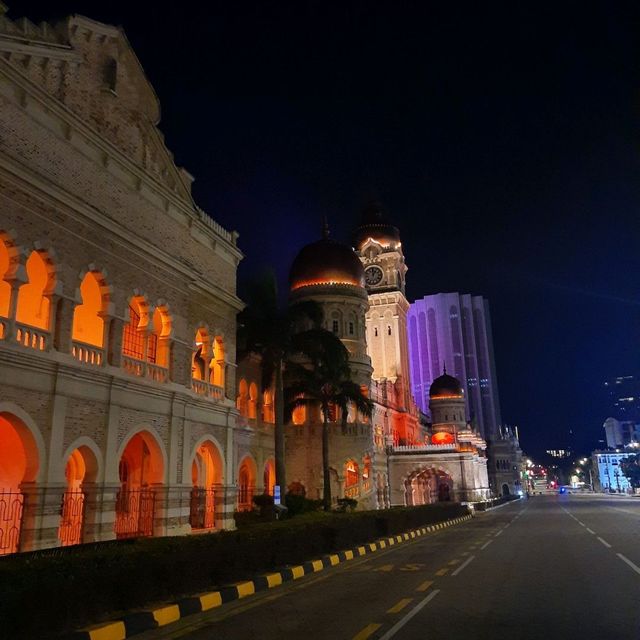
88 325
158 342
242 402
351 329
133 337
253 401
216 366
351 474
268 412
33 307
299 415
198 362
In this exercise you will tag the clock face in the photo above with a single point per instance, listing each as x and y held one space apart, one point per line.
373 275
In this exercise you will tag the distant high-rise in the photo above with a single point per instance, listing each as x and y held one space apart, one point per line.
624 398
454 329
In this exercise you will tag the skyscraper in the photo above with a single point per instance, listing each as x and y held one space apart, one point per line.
454 330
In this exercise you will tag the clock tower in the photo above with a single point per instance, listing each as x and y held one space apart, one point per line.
377 243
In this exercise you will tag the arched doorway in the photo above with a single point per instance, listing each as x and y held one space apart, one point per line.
81 468
18 464
269 477
246 484
505 490
206 477
141 468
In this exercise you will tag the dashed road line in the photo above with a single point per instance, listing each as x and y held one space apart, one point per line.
463 565
398 607
499 532
443 572
582 524
423 603
486 544
604 542
425 585
634 566
591 531
367 632
454 561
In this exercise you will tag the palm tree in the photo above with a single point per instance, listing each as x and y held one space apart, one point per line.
324 379
272 331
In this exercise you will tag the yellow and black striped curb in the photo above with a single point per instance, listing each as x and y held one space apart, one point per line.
140 621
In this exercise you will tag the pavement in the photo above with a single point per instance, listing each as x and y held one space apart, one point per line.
560 566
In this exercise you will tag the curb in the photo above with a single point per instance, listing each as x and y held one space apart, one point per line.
139 621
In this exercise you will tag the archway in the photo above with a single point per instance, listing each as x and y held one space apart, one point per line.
141 467
33 305
199 362
216 366
88 325
206 477
158 347
351 479
81 468
505 490
269 476
246 483
19 463
253 401
242 401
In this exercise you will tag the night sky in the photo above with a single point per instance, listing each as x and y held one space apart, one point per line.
501 137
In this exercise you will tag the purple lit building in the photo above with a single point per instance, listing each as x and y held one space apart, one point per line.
454 330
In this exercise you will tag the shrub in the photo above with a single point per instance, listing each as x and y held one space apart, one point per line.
78 586
297 504
347 504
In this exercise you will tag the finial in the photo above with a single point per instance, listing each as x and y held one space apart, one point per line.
444 368
325 227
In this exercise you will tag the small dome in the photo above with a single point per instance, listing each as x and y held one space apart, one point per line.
326 262
445 385
375 226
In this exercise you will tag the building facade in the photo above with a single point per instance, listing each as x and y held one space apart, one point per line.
454 330
117 305
609 477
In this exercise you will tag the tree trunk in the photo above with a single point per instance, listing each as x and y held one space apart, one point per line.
326 491
279 431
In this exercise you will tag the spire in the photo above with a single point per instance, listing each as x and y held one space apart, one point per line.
325 227
444 368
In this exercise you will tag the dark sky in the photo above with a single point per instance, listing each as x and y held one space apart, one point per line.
502 138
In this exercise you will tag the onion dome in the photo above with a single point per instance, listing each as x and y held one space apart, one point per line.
445 386
326 262
376 227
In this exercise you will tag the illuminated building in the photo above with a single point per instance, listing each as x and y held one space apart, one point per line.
609 477
624 398
117 306
454 329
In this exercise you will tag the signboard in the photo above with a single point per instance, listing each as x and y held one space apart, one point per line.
276 494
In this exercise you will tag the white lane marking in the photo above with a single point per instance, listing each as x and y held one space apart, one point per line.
635 567
486 544
396 627
582 524
591 531
604 542
463 565
499 532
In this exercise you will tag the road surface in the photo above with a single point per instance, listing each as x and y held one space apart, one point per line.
550 567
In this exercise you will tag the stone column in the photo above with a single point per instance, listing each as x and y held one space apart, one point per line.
102 502
9 332
62 309
180 363
114 344
41 515
225 507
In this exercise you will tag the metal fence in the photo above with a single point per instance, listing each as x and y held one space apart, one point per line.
135 511
203 508
71 518
11 510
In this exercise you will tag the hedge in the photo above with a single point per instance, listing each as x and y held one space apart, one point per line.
42 596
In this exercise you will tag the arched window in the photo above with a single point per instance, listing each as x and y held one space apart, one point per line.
366 472
88 325
268 410
253 401
350 474
5 287
134 333
246 484
216 366
269 477
388 330
200 353
332 412
242 402
299 415
375 331
34 307
158 344
206 475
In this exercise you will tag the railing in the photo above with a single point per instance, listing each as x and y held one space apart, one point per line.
366 485
144 369
11 510
87 354
31 337
417 448
157 373
212 224
202 513
203 388
135 511
245 497
71 518
352 492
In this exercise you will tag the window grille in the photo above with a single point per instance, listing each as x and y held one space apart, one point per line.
133 339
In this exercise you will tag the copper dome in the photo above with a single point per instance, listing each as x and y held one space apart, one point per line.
326 262
445 385
375 226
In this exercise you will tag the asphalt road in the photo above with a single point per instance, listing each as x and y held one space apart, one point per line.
551 567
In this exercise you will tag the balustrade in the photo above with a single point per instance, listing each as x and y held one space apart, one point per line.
87 354
206 389
352 492
157 373
31 337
